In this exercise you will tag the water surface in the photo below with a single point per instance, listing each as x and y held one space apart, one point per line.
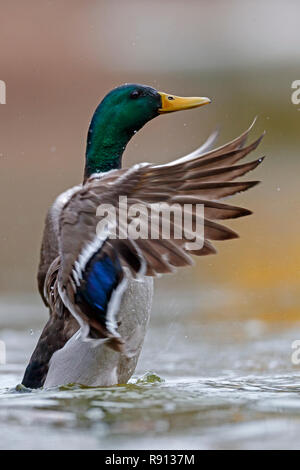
202 382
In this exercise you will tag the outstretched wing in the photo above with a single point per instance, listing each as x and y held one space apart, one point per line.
91 277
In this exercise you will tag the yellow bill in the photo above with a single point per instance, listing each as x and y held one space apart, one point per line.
171 103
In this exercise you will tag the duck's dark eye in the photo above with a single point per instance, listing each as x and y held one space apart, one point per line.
135 94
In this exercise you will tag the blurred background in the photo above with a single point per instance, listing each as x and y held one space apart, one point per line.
59 59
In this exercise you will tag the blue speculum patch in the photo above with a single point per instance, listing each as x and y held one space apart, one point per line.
101 278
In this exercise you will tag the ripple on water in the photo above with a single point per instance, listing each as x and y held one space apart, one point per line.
199 396
152 407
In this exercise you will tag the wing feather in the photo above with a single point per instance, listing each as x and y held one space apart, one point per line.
198 178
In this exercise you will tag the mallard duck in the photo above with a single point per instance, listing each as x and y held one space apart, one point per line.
99 289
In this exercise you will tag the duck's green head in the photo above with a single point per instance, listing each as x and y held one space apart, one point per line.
120 115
